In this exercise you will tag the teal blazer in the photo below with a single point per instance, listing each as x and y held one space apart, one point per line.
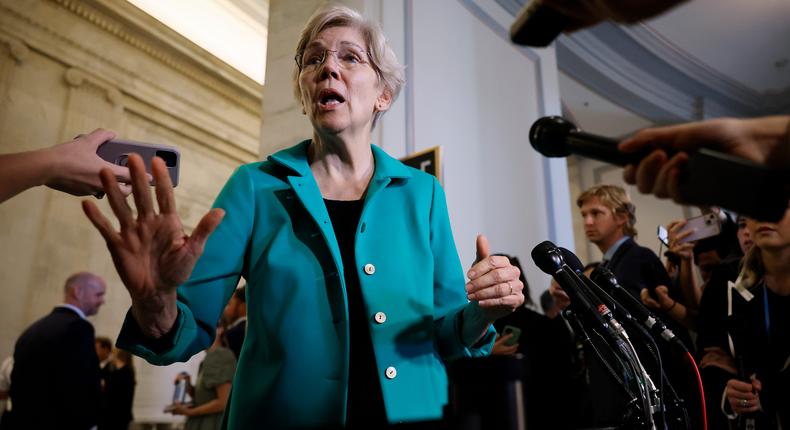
293 366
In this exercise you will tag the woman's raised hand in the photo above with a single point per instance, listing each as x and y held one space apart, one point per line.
151 252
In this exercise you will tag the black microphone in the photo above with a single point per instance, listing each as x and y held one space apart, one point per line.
710 178
604 277
537 25
594 289
549 259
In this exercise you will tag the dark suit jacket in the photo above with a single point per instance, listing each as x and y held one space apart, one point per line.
637 267
55 380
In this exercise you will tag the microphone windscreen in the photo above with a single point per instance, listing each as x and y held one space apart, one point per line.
547 135
546 258
571 260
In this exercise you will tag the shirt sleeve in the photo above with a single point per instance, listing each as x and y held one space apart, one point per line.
216 274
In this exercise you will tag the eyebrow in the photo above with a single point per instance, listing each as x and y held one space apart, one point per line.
317 43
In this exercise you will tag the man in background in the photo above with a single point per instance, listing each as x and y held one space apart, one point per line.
55 380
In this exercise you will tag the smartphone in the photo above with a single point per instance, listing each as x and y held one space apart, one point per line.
663 235
702 227
514 331
117 152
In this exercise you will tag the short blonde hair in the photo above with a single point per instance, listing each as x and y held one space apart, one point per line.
616 199
382 57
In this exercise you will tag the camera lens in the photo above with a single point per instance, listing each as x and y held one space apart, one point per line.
169 157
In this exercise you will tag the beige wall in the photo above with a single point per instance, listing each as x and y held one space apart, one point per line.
68 67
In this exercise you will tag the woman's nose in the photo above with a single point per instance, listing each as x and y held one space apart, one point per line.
329 67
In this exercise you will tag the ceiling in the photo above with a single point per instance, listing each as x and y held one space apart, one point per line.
748 41
703 59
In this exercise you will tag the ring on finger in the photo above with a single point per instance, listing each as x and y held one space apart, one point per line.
744 403
511 288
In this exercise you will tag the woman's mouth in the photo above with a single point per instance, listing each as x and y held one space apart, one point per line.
329 98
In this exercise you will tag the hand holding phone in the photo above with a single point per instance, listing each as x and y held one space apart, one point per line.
701 227
515 333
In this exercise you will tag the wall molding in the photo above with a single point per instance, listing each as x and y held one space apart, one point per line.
237 140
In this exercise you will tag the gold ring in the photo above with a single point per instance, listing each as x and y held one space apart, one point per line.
511 288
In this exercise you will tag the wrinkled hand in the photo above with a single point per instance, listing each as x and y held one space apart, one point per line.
662 301
675 236
500 348
152 254
76 166
717 357
493 283
762 140
744 397
584 13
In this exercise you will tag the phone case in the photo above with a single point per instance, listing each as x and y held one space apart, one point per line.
516 334
117 152
703 226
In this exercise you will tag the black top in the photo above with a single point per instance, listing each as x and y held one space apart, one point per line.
365 402
119 395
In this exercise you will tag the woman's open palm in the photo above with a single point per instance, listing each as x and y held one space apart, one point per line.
151 252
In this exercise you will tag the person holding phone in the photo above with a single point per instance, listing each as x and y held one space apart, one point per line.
355 292
72 167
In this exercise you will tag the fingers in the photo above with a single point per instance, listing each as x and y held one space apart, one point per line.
648 169
512 301
142 195
498 290
629 174
100 221
205 227
482 248
661 185
492 277
98 136
486 265
560 296
164 187
647 300
741 389
116 199
662 291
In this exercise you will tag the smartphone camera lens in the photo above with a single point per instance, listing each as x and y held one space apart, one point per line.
169 158
122 160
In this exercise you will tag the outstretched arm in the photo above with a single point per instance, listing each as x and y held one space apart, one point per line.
72 167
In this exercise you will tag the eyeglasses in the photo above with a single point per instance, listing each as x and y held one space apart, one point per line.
348 57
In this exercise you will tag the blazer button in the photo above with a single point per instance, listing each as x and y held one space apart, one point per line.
370 269
380 317
391 373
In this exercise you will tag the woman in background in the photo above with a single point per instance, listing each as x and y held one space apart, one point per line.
210 393
119 392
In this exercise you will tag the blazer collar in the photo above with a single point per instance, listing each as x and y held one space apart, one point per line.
295 158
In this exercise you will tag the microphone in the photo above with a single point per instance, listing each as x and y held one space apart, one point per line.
604 277
594 289
549 259
710 178
537 25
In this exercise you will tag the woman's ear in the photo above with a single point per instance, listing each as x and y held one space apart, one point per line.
384 101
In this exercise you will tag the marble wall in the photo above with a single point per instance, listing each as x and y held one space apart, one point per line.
68 67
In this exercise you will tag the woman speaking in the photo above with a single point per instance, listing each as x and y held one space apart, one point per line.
356 296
